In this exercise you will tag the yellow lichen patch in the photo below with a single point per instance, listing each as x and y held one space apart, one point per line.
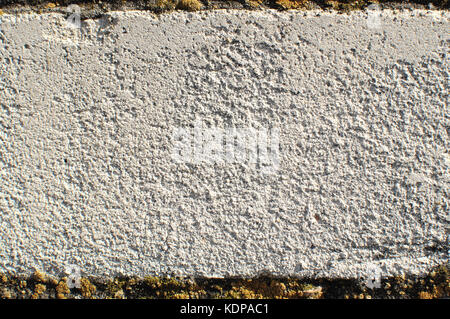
116 285
165 5
5 293
291 4
173 288
152 281
119 294
254 3
242 292
197 294
62 289
38 290
87 288
132 281
1 12
52 281
177 296
39 276
189 5
435 285
347 5
22 284
260 288
50 5
425 295
165 283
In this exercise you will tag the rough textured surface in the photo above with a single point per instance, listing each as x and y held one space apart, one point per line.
159 5
86 119
435 285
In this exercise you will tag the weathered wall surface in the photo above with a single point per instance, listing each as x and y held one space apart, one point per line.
87 117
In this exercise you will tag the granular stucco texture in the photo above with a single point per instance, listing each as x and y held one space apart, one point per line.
87 175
